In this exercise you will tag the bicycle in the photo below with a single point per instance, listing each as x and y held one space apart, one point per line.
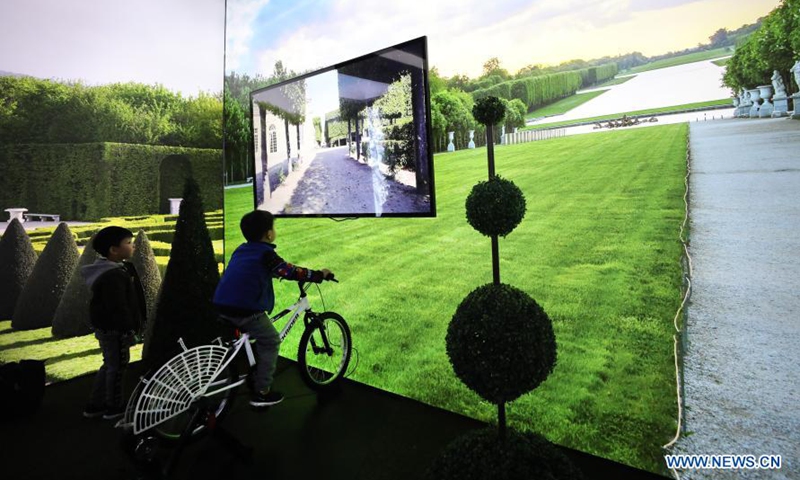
200 383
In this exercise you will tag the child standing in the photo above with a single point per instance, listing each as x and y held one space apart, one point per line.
245 292
117 312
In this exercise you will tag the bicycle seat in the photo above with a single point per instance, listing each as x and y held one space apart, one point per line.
231 330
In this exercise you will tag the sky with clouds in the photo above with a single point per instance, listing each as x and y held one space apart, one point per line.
462 34
182 43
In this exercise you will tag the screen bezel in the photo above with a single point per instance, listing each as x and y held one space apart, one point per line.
428 130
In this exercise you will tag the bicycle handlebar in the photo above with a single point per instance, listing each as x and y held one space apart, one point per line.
304 285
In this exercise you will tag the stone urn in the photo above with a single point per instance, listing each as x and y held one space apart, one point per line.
471 139
796 97
755 96
765 92
450 146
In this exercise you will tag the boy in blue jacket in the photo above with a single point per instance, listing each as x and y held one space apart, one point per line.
245 292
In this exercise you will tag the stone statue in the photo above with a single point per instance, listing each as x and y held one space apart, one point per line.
796 71
777 84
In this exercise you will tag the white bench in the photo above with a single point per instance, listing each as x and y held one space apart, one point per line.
55 217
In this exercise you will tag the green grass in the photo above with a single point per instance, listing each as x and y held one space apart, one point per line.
64 358
598 249
615 81
721 62
649 111
564 105
681 60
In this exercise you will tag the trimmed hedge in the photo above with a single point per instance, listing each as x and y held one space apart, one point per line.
483 454
17 259
95 180
500 343
39 299
399 147
72 315
495 207
539 90
145 262
185 308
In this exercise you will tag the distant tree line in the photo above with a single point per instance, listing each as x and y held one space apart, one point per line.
41 111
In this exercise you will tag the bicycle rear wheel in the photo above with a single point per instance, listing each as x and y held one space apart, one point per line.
324 351
217 405
194 380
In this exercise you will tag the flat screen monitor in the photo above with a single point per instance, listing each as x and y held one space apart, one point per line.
350 140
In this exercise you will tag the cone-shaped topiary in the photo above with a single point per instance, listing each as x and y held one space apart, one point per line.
39 299
145 262
72 314
495 207
483 454
501 343
489 111
17 258
185 308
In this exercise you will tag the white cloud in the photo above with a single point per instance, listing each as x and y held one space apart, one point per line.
240 16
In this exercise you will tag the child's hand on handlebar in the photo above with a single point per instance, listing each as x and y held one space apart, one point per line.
328 275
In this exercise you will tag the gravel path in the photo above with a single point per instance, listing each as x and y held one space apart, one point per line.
742 364
333 183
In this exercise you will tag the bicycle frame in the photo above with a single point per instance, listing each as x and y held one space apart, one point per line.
300 306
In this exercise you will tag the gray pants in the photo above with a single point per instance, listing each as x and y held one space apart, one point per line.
107 390
268 343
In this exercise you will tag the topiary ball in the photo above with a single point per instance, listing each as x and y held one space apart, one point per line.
481 454
489 110
495 207
501 343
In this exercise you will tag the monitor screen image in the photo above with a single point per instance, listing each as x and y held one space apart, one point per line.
351 140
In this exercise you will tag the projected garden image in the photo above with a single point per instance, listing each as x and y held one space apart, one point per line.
599 249
597 141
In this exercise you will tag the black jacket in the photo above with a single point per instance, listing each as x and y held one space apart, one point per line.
117 296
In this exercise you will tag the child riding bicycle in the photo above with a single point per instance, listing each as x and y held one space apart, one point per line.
245 292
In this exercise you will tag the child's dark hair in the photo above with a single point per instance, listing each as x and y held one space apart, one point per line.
109 237
255 224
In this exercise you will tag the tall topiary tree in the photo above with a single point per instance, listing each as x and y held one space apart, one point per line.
17 259
145 262
72 314
185 308
39 299
500 342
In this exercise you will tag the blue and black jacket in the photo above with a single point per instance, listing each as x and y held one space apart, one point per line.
246 286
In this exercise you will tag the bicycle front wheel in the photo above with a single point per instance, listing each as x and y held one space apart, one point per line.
324 351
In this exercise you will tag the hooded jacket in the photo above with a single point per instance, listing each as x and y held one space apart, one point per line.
117 303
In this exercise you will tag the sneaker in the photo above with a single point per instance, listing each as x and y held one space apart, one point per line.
93 411
266 399
113 414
